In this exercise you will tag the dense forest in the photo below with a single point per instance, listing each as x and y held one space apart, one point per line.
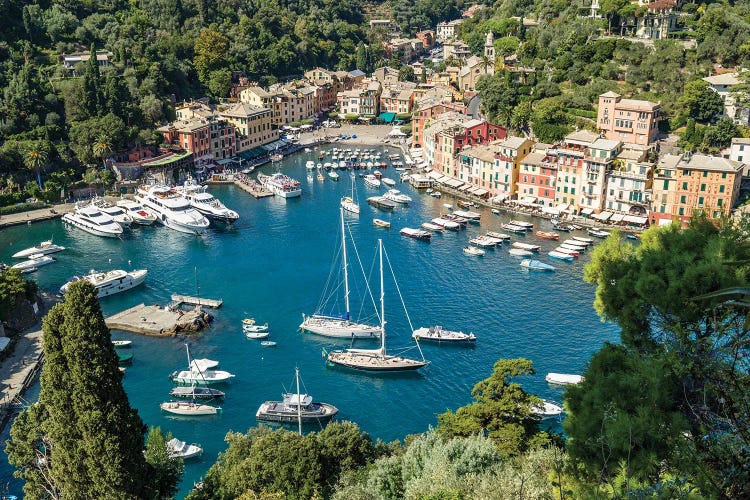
62 122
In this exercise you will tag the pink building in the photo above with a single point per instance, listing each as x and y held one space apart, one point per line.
628 120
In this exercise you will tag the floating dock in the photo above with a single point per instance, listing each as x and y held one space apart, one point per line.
255 189
195 301
157 321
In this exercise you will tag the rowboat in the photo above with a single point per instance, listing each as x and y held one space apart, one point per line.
381 223
560 256
567 251
520 253
547 235
526 246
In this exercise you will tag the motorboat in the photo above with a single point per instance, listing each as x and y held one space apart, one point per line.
417 234
484 241
526 246
518 252
521 223
500 236
204 364
310 165
548 235
466 204
495 211
375 360
448 206
296 407
567 251
514 228
397 196
195 392
561 226
563 379
122 343
206 203
171 209
136 211
536 265
339 324
92 220
561 256
381 223
43 248
268 343
249 325
189 408
196 376
124 358
597 233
281 185
372 181
546 409
117 213
256 335
468 215
333 175
470 250
429 226
455 218
582 239
110 282
180 449
436 194
447 224
439 334
388 182
380 202
33 263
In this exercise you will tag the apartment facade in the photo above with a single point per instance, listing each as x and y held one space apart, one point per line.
447 30
598 160
510 152
664 190
628 120
253 125
571 163
537 176
629 184
428 111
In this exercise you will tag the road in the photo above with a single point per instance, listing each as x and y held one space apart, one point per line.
474 106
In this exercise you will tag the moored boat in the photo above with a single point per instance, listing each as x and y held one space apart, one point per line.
372 181
205 203
397 196
140 215
522 223
536 265
172 209
296 407
429 226
110 282
484 241
180 449
122 343
90 219
417 234
597 233
195 392
467 214
189 408
249 325
447 224
517 252
470 250
43 248
281 185
195 376
501 236
380 202
437 333
548 235
582 239
381 223
513 228
526 246
560 256
33 263
568 251
546 409
333 175
563 378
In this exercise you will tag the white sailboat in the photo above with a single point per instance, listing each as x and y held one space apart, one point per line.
340 326
349 203
195 375
375 360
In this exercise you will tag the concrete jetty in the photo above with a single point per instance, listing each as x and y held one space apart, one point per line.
195 301
158 321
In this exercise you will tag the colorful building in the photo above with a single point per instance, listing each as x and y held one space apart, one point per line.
537 176
253 125
510 153
628 120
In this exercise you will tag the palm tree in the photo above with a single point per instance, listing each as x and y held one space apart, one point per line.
102 148
36 158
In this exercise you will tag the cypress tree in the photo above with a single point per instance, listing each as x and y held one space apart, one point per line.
93 99
82 440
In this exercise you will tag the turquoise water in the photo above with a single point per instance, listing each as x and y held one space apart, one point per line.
273 266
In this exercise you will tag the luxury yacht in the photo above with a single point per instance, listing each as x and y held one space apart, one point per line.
171 209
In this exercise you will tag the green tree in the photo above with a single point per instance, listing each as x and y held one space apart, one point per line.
700 101
210 50
720 135
93 98
82 439
101 148
219 83
36 158
14 288
501 408
406 74
165 470
499 97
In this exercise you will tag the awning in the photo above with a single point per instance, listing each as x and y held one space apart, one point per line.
434 175
550 210
499 198
603 216
454 183
465 187
561 207
387 117
587 211
616 217
481 192
529 199
472 190
396 132
635 219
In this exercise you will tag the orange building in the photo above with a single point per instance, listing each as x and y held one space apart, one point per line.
427 113
628 120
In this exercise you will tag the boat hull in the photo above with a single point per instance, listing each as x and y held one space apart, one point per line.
374 362
338 328
274 411
73 221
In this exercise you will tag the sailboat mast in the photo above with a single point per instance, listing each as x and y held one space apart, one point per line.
382 301
299 404
346 273
188 356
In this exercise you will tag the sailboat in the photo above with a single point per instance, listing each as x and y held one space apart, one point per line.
349 203
375 360
340 326
196 375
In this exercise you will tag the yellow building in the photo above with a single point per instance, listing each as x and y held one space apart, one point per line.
253 125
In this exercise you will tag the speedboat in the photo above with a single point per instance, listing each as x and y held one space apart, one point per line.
438 334
536 265
172 209
139 214
206 204
417 234
397 196
372 181
117 213
42 248
249 325
180 449
546 409
111 282
563 379
33 263
91 219
470 250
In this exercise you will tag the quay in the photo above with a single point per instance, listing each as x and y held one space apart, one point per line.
177 300
158 321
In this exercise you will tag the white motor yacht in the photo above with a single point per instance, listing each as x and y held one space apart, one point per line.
172 209
111 282
139 214
117 213
180 449
33 263
92 220
206 204
42 248
397 196
280 185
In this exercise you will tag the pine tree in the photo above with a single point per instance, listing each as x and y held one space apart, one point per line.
82 439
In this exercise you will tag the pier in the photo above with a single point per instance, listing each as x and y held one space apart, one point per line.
177 300
158 321
253 188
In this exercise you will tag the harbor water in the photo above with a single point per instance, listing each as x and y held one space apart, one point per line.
273 266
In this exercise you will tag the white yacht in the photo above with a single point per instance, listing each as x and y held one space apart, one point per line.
111 282
372 181
117 213
280 185
92 220
33 263
139 214
206 204
188 408
180 449
171 209
42 248
397 196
